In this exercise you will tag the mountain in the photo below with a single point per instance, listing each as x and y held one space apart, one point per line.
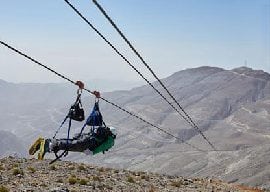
32 175
11 145
231 107
28 109
112 85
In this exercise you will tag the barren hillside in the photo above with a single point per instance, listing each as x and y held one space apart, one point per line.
19 175
231 107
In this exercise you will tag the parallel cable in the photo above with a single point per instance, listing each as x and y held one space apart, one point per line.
102 98
149 68
126 60
186 118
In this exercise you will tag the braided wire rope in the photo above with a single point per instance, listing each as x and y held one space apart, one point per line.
187 118
150 69
102 98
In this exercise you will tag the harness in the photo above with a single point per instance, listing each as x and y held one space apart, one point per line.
75 113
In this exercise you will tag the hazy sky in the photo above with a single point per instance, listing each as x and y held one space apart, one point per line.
171 35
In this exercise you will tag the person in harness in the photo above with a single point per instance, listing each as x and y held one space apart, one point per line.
99 139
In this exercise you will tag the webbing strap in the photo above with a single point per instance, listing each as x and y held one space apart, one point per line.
65 152
82 129
56 132
69 126
58 157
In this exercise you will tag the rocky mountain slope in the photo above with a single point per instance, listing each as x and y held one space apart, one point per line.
32 175
231 107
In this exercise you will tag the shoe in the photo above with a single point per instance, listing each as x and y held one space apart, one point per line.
44 148
35 147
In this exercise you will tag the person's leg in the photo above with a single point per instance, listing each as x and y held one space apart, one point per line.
44 148
80 144
35 147
41 145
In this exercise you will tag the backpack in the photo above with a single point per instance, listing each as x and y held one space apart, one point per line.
76 111
95 118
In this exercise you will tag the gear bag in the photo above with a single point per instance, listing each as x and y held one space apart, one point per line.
95 118
76 112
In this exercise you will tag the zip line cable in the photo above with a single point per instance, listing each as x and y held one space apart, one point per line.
187 117
93 93
149 68
126 60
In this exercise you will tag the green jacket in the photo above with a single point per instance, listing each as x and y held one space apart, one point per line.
105 145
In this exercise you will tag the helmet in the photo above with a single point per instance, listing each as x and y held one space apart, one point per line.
113 130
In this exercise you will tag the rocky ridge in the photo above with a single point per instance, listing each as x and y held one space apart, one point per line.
231 107
29 175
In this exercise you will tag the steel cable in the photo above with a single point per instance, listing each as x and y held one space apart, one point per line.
126 60
93 93
149 68
187 117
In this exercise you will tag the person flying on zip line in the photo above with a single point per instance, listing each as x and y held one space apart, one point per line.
99 139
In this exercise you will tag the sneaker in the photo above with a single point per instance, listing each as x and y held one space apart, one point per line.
44 148
35 147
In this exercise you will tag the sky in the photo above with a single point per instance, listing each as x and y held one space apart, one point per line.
171 35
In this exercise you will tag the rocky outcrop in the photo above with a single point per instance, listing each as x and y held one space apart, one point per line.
18 175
